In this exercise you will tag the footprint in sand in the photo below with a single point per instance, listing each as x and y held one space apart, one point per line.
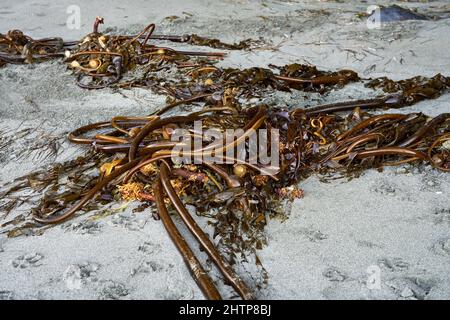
149 267
442 247
442 216
430 183
335 275
412 288
77 275
176 289
368 244
6 295
85 227
313 235
384 187
28 260
394 264
149 247
112 290
129 221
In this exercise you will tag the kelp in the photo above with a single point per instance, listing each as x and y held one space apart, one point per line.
46 191
309 78
240 197
196 40
217 44
17 48
131 157
414 89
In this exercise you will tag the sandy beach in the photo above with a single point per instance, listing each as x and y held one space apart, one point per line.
383 235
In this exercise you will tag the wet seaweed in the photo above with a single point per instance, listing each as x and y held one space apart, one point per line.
130 158
18 48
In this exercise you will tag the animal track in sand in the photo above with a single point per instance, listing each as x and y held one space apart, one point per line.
176 289
129 221
430 183
6 295
394 264
410 287
313 235
27 261
384 187
442 216
335 275
84 227
112 290
149 247
368 244
149 267
442 247
77 275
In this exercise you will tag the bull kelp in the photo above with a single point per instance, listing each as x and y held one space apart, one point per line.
132 158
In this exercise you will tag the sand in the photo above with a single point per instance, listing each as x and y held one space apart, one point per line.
384 235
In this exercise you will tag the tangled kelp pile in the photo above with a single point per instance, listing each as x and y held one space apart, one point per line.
132 157
17 48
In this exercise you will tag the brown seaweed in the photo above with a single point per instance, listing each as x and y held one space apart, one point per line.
131 157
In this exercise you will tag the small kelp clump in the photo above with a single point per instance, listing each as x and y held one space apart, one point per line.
104 59
217 44
101 60
172 161
17 48
414 89
309 78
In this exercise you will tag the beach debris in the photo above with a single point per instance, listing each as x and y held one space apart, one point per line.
394 13
17 48
194 39
137 158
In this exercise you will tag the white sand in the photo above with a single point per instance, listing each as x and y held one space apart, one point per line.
396 221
